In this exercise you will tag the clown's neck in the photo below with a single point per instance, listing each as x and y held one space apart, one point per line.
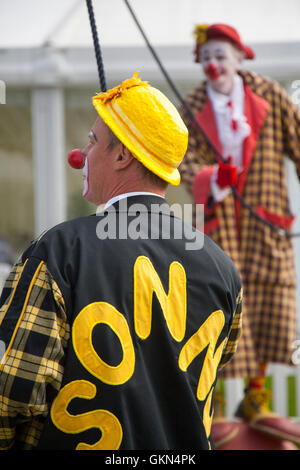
224 87
236 97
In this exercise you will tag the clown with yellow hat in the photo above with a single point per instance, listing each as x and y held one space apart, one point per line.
147 123
124 325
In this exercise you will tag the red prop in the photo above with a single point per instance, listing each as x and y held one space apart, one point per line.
227 174
246 438
76 159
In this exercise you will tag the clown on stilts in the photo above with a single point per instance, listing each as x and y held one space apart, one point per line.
253 124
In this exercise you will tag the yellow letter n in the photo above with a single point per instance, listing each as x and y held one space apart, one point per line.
173 304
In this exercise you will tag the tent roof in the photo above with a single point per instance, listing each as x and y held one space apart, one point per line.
46 43
64 23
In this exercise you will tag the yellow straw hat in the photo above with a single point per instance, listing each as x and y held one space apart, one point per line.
147 123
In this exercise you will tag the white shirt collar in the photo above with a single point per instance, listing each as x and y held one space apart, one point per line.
123 196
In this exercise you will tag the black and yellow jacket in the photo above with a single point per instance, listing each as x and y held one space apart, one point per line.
115 326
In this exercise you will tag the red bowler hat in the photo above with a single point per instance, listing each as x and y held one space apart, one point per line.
224 32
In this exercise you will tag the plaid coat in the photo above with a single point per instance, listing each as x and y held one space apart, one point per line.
264 259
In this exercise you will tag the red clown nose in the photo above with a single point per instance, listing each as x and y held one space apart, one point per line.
212 71
76 159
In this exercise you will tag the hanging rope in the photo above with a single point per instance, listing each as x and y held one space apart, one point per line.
278 230
101 74
97 48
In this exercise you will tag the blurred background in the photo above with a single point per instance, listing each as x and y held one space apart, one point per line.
48 75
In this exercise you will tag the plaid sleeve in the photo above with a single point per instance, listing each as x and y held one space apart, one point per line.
234 334
33 337
290 115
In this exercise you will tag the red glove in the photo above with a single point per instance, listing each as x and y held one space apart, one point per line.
227 174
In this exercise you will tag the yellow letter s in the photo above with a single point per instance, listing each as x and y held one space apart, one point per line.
107 422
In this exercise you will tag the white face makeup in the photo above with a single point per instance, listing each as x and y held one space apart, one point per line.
98 170
220 61
85 174
85 169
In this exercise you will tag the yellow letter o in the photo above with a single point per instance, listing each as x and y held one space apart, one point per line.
87 319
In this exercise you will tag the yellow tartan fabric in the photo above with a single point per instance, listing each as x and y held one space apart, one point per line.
32 368
264 259
234 334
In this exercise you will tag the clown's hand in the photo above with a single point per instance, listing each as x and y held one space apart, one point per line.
224 175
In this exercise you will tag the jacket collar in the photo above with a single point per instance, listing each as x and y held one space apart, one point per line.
140 202
127 195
